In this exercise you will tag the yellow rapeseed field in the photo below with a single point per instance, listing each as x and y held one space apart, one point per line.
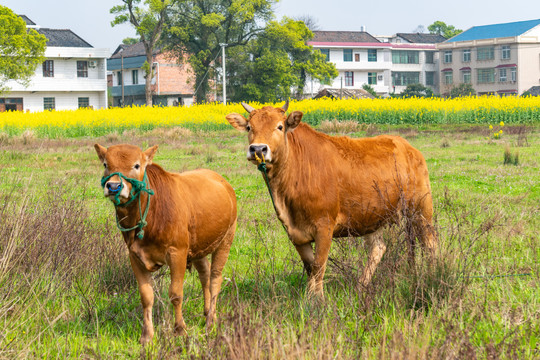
88 122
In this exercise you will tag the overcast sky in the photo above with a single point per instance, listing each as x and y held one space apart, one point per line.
90 19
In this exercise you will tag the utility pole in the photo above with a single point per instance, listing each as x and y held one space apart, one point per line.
223 45
122 75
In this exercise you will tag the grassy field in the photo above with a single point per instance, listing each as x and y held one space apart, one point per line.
67 290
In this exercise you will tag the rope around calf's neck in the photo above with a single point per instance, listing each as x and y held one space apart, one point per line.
136 188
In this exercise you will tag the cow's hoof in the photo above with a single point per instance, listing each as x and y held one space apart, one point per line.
180 330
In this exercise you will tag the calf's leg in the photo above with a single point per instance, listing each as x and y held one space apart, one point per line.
144 279
219 258
177 260
203 268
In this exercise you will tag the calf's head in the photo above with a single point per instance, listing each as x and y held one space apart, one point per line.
267 131
128 160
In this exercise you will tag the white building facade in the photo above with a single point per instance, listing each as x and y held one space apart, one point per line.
388 67
74 75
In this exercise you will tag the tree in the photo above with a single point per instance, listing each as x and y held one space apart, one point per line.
198 28
148 21
370 90
416 90
277 63
462 90
130 41
21 49
448 31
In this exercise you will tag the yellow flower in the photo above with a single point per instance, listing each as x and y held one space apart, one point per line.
490 127
500 131
502 123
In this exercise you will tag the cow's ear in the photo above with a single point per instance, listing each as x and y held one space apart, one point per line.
101 152
237 121
150 154
294 119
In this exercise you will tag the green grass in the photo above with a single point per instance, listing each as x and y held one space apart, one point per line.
67 290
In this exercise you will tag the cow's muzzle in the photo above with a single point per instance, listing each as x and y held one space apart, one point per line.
260 151
113 187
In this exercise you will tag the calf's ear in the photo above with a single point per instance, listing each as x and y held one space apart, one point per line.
294 119
150 154
101 152
237 121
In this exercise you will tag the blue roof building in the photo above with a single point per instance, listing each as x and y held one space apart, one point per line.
499 59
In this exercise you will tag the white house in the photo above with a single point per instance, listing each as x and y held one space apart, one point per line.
74 75
388 66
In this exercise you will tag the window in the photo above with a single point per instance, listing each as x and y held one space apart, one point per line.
429 57
325 52
466 55
372 55
405 57
448 56
502 75
513 74
119 78
356 57
404 78
84 102
485 53
48 68
82 69
505 52
486 76
347 54
48 103
349 78
430 78
466 75
448 77
135 76
372 78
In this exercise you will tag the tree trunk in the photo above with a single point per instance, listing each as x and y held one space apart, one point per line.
148 77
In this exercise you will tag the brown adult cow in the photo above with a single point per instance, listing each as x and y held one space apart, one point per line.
190 215
327 187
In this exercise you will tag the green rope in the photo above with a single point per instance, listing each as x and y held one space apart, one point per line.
136 188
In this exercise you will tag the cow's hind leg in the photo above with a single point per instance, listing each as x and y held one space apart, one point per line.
423 226
219 258
177 261
377 249
203 268
306 254
144 279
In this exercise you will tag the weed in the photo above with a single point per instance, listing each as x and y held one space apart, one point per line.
509 158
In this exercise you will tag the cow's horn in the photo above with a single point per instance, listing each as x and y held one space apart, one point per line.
286 105
248 108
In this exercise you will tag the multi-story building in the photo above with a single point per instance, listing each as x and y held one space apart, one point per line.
170 85
495 59
388 66
72 76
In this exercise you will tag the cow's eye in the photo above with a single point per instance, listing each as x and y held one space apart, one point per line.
248 128
137 166
280 127
104 165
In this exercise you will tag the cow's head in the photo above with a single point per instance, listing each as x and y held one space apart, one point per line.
267 130
128 160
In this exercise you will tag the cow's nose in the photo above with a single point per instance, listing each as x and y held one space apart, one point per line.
113 187
259 150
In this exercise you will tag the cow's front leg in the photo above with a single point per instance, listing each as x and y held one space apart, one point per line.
323 240
177 261
144 279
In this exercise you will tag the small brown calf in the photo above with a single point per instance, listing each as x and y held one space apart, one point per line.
190 215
